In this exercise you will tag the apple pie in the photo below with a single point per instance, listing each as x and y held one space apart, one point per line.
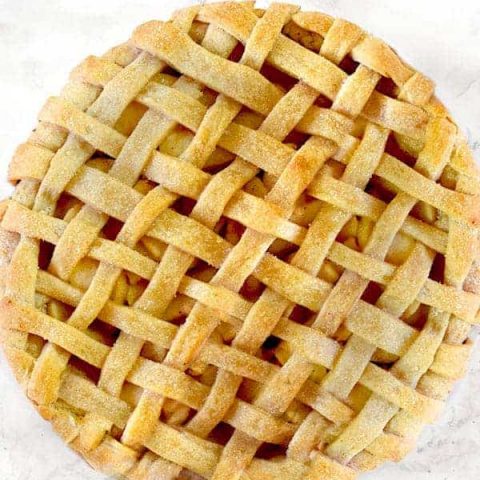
242 245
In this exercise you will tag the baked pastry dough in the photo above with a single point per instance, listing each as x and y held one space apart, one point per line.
241 246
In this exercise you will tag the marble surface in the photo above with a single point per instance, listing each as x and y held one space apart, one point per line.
41 41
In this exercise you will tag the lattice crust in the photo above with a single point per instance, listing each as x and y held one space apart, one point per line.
242 246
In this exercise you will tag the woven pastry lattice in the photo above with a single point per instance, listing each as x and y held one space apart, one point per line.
241 246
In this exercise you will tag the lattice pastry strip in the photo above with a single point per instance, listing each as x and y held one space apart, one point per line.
243 245
152 128
215 196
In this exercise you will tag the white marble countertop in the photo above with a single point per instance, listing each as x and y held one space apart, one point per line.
41 41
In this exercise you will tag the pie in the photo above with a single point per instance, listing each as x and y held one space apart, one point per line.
243 245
